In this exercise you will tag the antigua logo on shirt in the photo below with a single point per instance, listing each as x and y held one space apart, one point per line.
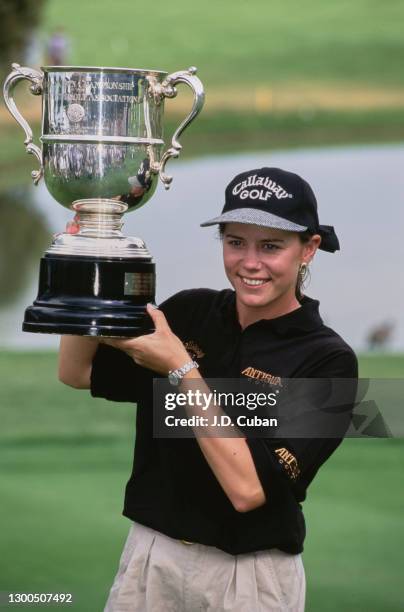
248 189
266 377
288 461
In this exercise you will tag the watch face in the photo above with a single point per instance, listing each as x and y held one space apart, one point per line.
173 379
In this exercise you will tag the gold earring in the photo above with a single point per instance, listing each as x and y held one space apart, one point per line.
303 269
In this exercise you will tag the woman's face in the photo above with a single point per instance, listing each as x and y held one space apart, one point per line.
262 264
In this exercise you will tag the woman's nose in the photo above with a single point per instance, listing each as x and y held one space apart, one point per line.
251 259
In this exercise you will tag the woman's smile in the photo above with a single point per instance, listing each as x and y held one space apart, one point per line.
253 282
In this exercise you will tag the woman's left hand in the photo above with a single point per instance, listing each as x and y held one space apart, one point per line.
160 351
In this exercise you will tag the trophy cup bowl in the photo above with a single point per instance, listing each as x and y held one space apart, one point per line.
102 155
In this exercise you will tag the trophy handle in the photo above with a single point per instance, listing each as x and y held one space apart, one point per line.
167 89
20 73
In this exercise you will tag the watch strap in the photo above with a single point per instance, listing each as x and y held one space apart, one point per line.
174 376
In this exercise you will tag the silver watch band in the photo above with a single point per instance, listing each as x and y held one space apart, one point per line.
174 376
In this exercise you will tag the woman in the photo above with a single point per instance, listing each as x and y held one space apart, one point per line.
217 522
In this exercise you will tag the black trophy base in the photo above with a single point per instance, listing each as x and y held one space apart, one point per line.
88 296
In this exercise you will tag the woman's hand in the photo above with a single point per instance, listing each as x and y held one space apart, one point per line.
160 351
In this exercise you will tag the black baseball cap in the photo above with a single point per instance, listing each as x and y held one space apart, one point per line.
271 197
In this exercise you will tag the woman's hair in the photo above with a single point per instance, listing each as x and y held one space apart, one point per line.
304 237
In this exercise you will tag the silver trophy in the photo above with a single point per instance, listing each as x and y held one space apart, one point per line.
102 155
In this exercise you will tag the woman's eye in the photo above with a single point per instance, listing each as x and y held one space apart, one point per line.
235 243
269 246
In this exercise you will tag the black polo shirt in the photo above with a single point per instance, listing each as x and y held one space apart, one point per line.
172 488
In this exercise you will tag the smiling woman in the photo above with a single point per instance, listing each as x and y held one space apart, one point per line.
217 521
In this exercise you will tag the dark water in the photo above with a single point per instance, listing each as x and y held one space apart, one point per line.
360 191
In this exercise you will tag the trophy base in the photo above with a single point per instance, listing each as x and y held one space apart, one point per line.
89 296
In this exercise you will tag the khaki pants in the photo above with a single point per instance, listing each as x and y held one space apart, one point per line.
159 574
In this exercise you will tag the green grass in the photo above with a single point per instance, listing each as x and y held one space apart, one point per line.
263 41
353 552
64 461
381 365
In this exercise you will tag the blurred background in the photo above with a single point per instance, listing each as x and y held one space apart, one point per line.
314 87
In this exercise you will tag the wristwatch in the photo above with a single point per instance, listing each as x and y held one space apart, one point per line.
175 376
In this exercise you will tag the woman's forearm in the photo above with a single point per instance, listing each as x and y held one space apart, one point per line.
76 354
229 457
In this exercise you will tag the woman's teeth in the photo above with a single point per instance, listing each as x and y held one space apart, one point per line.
253 281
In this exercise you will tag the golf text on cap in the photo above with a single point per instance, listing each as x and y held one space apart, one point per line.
270 187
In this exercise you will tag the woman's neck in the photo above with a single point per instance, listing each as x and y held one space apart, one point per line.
247 315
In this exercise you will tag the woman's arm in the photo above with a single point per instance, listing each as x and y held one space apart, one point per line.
76 355
229 458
